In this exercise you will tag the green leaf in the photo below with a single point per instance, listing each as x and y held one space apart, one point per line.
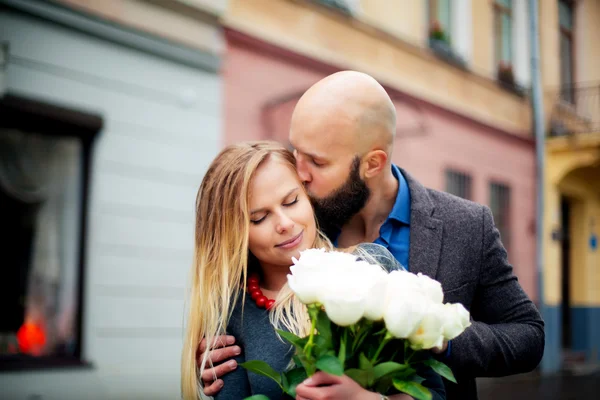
262 368
358 375
404 374
298 342
441 369
413 389
308 366
321 347
342 350
294 377
324 328
418 379
365 365
387 368
330 364
284 382
257 397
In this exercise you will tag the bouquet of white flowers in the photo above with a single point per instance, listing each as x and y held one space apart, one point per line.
367 323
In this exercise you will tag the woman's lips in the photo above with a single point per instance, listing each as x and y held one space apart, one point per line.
291 243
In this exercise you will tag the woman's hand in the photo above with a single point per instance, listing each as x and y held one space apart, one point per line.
322 386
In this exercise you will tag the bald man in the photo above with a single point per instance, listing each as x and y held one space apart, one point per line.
343 131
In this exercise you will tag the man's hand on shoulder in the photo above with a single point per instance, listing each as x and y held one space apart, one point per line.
221 355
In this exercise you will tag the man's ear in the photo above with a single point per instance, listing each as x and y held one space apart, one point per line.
373 163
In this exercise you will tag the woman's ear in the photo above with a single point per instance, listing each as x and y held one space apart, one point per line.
373 163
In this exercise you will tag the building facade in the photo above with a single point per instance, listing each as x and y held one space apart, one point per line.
110 113
459 74
571 281
459 129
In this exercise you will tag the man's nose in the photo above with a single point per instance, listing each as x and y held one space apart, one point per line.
303 172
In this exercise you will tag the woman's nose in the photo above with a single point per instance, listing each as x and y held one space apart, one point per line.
284 224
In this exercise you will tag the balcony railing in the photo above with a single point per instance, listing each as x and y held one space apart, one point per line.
576 110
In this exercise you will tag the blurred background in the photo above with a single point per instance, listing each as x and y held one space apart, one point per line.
111 110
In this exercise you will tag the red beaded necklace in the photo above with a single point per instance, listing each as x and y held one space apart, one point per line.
257 295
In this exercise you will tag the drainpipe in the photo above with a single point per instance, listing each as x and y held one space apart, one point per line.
537 106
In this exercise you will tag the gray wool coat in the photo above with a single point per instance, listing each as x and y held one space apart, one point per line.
456 242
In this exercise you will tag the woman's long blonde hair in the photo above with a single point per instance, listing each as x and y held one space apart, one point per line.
221 259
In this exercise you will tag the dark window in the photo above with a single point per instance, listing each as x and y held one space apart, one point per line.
565 17
440 12
458 184
500 206
503 32
44 167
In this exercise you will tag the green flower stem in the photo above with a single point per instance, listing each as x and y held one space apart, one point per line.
313 313
386 339
408 349
342 352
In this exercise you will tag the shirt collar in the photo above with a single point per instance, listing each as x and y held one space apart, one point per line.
401 210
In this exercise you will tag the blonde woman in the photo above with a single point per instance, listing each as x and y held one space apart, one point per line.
252 217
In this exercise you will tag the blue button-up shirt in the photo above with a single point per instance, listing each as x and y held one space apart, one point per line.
394 234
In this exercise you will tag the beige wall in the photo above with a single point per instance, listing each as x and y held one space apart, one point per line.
482 38
587 42
406 19
349 43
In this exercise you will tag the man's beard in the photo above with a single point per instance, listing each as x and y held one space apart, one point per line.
335 210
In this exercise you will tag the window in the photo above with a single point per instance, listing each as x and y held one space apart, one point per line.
39 198
565 17
503 33
44 162
458 184
440 19
500 206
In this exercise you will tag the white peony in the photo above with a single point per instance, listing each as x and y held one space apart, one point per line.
431 288
376 283
456 320
344 301
429 333
404 313
316 271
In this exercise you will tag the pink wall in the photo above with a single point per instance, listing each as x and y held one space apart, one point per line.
430 139
451 142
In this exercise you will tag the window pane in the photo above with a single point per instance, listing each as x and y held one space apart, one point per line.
443 14
566 72
500 207
40 186
458 184
498 37
506 38
565 15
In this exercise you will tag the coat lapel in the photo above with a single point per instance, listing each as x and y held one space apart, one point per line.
425 231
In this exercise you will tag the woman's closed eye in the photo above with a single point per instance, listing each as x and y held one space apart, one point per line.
257 221
291 203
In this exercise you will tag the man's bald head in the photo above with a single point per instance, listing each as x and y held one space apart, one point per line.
351 105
